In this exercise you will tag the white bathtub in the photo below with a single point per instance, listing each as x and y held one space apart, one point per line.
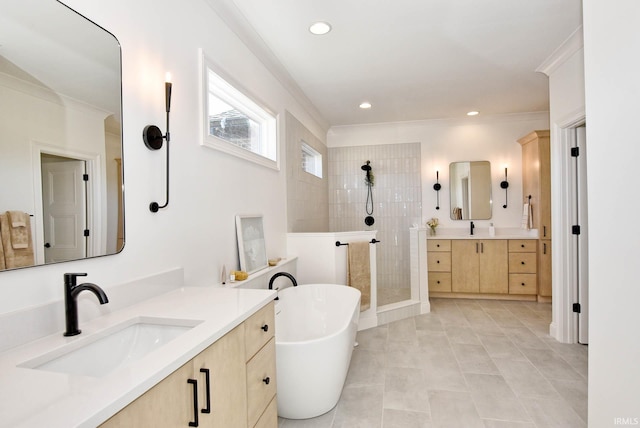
316 326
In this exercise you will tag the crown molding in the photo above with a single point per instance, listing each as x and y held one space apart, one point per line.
568 48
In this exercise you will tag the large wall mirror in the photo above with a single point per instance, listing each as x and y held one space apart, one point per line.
470 187
60 136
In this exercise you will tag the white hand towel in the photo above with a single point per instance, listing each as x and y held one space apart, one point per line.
525 224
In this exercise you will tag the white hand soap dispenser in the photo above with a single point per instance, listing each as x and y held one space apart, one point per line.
492 230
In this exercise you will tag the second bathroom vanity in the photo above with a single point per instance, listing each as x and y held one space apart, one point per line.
501 267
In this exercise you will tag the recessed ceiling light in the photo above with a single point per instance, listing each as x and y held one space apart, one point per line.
319 28
365 105
473 113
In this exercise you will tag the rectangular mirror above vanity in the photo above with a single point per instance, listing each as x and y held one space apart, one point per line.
470 190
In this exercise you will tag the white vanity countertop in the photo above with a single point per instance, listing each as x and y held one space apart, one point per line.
38 398
483 233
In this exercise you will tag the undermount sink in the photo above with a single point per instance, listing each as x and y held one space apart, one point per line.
114 348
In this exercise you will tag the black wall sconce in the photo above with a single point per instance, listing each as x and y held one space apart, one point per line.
505 185
153 137
437 188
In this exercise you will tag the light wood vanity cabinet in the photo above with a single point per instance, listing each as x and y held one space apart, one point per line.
479 266
523 266
536 181
498 268
439 265
240 395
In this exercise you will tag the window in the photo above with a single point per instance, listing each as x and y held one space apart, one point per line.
311 160
236 124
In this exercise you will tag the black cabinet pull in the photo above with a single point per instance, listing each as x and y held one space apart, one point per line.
544 246
522 245
195 402
482 247
476 247
437 282
207 390
522 262
266 380
438 245
265 328
522 284
544 231
438 261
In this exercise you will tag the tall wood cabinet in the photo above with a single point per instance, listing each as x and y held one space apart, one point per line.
536 182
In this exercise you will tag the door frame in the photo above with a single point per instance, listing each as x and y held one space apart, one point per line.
95 217
563 326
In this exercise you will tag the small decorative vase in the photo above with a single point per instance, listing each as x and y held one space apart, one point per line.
432 231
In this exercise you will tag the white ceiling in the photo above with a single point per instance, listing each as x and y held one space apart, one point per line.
411 59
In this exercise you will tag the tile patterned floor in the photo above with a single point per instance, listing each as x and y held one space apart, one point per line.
468 363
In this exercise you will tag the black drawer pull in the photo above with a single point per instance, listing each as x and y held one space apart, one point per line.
265 328
522 262
438 261
195 402
438 245
207 390
522 284
522 245
266 380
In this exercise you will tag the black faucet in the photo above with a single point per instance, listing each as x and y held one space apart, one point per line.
288 275
71 291
471 227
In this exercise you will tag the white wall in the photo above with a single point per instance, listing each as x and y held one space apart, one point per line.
445 141
612 87
208 188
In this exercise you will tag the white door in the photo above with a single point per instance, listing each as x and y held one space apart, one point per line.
64 208
580 234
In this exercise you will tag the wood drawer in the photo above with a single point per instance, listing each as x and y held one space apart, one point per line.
269 418
255 335
438 262
438 245
523 245
522 263
261 381
440 281
523 283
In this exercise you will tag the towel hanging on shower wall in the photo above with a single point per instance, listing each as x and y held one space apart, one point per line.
359 271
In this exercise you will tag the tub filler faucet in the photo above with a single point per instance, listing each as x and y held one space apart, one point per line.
71 291
288 275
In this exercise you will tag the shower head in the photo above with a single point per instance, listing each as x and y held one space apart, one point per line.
366 167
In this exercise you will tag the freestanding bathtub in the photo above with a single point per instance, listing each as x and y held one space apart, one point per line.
316 327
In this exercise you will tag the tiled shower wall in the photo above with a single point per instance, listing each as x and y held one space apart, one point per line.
397 198
307 196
